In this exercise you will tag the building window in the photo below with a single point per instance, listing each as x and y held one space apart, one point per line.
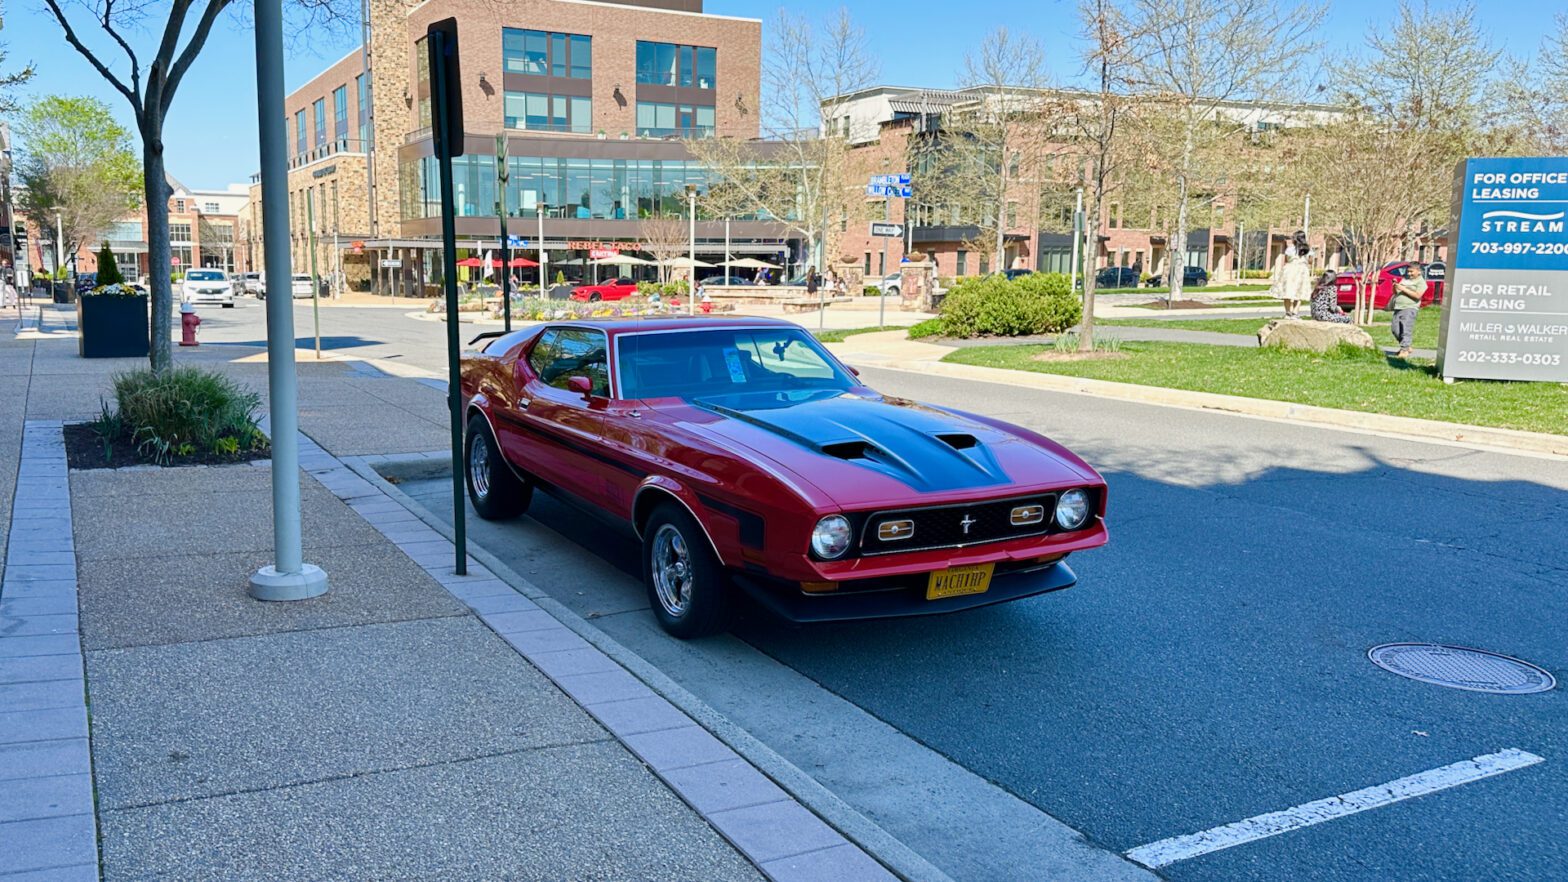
321 121
362 88
668 64
340 113
963 263
544 54
422 81
210 207
179 232
299 132
658 120
179 206
867 270
538 112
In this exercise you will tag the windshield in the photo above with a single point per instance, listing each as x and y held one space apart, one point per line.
301 278
204 276
724 361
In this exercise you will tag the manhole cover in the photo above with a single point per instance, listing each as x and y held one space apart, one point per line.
1459 667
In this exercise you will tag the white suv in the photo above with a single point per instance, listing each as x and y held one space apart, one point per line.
300 285
207 286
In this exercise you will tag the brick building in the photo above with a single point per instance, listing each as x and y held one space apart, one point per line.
201 234
596 101
890 128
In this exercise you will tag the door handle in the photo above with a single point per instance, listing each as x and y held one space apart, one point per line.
522 404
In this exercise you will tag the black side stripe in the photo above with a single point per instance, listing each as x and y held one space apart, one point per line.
751 524
551 437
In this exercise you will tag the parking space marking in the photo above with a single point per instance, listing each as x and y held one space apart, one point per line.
1180 848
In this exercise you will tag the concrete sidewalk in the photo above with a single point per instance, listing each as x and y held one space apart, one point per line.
411 723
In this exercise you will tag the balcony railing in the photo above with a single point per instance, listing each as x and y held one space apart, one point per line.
329 149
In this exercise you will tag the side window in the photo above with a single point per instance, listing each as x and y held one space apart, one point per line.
542 353
579 353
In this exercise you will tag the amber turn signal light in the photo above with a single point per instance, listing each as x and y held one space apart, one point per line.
818 587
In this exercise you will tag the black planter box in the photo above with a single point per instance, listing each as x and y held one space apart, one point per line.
112 327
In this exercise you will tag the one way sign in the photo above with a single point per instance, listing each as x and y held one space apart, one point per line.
887 231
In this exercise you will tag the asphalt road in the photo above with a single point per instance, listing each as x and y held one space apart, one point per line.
1209 667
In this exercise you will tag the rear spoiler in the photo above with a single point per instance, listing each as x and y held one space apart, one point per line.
487 335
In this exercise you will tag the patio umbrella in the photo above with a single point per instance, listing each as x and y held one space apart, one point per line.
624 260
686 263
752 263
471 262
521 262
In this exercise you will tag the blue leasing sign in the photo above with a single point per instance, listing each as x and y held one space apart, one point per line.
1505 311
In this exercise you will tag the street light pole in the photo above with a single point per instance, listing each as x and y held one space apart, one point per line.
1072 282
506 251
691 277
59 246
887 216
544 256
288 577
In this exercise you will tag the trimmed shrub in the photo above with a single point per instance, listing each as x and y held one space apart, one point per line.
108 268
995 306
186 411
931 327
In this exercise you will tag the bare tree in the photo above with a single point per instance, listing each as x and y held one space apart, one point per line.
9 81
1195 59
150 90
666 237
990 148
1099 123
218 238
800 179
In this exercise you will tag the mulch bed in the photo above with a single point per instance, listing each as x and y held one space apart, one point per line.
84 450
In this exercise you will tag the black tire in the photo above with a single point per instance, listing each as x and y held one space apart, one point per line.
705 609
594 297
893 291
499 494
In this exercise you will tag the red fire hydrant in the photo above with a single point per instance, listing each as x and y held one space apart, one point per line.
189 320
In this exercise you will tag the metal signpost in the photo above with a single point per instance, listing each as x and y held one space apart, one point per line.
887 186
315 281
1505 308
446 116
288 577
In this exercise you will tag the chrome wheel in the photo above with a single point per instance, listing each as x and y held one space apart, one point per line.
479 467
672 572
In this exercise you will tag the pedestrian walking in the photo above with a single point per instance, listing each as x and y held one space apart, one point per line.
1325 300
1405 303
812 280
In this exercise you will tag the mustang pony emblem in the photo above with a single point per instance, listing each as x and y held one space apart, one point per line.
966 523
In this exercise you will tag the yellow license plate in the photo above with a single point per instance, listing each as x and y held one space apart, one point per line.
958 581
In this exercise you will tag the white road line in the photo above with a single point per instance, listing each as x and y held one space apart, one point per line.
1180 848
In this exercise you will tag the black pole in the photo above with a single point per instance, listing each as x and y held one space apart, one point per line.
506 269
443 51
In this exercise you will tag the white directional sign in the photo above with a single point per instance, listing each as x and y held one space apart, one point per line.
391 263
886 230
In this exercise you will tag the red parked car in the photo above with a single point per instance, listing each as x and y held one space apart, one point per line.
1436 275
746 457
614 289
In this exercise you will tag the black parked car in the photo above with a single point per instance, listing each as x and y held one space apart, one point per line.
1117 277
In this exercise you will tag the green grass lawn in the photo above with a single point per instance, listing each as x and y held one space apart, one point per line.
1218 304
838 335
1349 380
1202 289
1425 337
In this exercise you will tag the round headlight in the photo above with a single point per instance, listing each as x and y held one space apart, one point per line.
1072 509
831 537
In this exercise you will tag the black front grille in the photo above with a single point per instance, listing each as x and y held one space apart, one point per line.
952 526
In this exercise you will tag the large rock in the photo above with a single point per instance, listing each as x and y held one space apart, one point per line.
1316 336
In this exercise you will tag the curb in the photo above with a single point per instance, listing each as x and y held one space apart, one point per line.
1510 441
48 812
846 845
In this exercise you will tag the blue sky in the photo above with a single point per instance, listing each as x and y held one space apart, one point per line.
211 132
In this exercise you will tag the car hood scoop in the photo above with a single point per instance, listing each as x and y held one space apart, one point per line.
925 448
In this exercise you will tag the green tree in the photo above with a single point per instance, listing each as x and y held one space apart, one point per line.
153 80
76 163
108 267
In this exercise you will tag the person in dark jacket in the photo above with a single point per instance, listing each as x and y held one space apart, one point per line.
812 282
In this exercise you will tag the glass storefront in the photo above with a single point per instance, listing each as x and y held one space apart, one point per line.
612 189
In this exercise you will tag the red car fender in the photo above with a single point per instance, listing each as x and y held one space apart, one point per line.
659 488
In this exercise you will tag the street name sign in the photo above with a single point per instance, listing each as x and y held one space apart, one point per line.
1505 308
900 190
391 263
516 242
886 230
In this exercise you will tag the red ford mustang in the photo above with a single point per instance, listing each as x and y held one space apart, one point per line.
614 289
745 456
